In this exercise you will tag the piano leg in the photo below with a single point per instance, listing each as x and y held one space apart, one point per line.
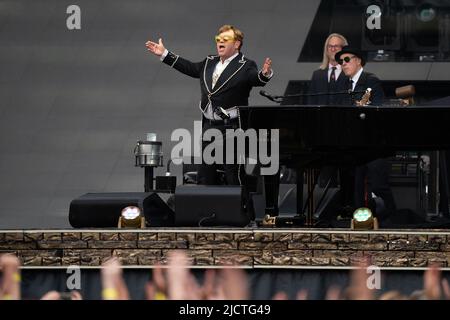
272 190
312 176
299 182
443 183
310 182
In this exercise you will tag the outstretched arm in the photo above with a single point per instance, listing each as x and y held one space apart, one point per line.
260 78
175 61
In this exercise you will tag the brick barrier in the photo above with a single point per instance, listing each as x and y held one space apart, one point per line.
249 248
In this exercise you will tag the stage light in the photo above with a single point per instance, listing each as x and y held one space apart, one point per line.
148 154
426 12
363 219
131 217
425 29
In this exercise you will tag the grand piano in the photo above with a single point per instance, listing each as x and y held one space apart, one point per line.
315 136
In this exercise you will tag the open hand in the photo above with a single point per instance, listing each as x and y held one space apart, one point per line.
267 67
155 48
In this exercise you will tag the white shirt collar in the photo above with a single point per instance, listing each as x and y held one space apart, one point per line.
355 78
226 61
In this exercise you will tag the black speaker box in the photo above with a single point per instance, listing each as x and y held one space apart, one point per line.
166 183
157 213
102 210
199 205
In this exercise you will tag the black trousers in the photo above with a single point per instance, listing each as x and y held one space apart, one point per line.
208 174
374 177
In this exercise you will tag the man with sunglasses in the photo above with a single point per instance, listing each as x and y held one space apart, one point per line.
372 178
352 62
226 80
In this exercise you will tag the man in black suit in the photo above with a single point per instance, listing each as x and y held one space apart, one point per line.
226 80
372 178
329 78
352 62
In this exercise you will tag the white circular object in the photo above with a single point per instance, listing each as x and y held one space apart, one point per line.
131 212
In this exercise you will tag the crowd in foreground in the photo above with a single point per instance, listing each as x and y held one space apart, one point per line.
175 281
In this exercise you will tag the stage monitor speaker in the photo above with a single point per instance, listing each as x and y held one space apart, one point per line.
205 206
157 213
102 210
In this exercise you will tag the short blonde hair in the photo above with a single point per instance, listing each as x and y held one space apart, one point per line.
325 60
238 35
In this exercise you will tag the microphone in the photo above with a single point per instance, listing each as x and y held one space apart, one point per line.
268 96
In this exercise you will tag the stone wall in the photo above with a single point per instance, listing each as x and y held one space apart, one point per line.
251 248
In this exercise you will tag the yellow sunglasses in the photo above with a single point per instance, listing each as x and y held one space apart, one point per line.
223 38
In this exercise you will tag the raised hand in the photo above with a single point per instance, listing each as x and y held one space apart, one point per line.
358 289
432 282
155 48
446 288
267 67
10 286
114 287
